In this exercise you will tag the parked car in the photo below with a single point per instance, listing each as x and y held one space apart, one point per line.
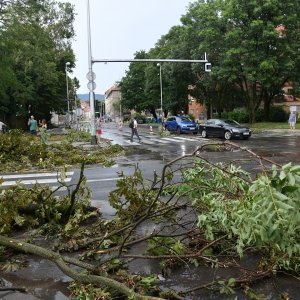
181 124
226 129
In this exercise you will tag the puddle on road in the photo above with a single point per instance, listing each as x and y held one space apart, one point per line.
42 279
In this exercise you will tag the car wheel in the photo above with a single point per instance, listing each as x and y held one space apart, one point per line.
227 135
204 134
178 130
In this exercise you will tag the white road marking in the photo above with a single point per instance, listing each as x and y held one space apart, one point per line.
172 140
105 179
27 175
148 141
62 188
132 143
184 138
159 141
32 181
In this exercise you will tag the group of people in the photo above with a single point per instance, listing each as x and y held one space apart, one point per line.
33 125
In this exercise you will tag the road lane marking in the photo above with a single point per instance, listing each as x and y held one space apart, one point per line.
32 181
171 140
159 141
132 143
15 176
105 179
184 138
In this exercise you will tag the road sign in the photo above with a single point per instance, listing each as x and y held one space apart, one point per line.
91 76
91 86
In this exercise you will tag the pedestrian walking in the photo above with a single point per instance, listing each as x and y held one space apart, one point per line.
2 127
133 126
120 124
292 120
32 123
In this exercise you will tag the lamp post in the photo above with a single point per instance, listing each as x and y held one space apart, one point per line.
161 94
91 78
67 85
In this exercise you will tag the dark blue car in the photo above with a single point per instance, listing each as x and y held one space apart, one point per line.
181 124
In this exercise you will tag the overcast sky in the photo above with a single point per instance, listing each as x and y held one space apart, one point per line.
119 28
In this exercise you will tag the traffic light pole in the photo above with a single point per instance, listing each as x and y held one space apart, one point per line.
91 78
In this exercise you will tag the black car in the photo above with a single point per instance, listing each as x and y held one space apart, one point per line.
226 129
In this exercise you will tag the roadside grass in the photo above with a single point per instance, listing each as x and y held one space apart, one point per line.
271 125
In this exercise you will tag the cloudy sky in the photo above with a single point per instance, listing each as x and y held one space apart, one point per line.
119 28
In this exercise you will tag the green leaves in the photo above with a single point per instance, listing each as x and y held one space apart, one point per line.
19 151
267 214
36 43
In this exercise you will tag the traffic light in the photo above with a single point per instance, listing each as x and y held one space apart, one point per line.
207 67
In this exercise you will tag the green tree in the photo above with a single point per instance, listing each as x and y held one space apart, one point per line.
251 58
176 77
36 38
133 86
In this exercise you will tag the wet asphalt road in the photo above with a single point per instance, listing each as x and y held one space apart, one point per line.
155 151
45 281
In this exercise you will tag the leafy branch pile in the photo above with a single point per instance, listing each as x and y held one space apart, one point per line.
196 213
40 207
264 213
19 151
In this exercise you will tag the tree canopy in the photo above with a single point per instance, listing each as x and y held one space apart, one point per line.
35 46
253 47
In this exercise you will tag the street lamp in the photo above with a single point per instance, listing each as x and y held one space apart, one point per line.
67 84
161 94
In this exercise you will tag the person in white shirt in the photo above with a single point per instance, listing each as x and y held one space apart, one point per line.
2 127
134 130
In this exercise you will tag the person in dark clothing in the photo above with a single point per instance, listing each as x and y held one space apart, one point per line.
134 130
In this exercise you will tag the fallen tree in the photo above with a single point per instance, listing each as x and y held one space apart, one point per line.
197 212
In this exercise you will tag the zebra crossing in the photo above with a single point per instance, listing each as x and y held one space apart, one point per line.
34 178
153 140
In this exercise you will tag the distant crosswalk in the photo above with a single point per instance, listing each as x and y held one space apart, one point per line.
154 140
33 178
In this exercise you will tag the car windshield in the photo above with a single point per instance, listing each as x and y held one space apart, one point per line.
185 119
231 122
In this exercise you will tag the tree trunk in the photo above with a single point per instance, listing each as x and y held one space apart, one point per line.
60 262
152 111
267 104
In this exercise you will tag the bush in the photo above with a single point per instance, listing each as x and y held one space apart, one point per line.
277 114
259 115
240 115
141 119
191 117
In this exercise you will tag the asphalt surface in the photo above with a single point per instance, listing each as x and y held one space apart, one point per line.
47 282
